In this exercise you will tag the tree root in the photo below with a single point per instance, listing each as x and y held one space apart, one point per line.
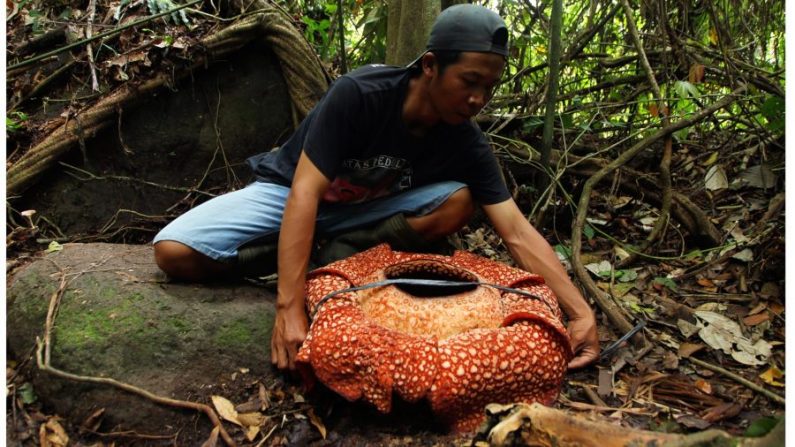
302 71
605 302
682 208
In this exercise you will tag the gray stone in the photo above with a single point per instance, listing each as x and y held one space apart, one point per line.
121 318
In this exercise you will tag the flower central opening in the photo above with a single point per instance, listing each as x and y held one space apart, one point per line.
429 270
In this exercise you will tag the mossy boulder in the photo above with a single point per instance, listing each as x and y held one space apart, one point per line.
120 317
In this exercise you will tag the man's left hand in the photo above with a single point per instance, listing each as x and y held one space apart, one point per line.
584 340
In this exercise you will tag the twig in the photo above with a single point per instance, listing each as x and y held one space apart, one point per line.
265 438
593 396
128 434
665 163
601 408
99 36
90 176
773 208
92 8
43 362
44 83
739 379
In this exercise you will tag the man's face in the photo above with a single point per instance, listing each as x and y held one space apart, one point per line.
465 86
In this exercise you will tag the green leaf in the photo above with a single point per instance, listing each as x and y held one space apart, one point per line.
14 121
638 309
761 427
532 123
695 254
686 90
773 110
54 246
11 125
607 273
681 134
563 250
588 231
567 121
667 282
626 275
27 394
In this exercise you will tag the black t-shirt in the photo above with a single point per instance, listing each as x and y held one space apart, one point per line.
357 138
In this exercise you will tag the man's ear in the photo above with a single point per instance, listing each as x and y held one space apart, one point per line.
428 63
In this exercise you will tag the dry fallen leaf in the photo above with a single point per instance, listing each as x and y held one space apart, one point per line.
51 434
500 433
705 282
772 375
264 399
770 290
212 441
723 411
758 308
317 423
776 308
93 422
253 419
716 178
695 74
704 386
124 59
720 332
753 320
686 328
688 349
252 432
690 421
226 409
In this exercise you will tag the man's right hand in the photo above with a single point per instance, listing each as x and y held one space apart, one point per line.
295 246
289 331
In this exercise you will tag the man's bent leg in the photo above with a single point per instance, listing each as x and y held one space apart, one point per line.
207 241
434 212
447 219
179 261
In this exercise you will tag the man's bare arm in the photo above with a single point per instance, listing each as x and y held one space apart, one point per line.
533 253
295 246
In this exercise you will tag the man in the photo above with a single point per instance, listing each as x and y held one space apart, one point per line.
388 154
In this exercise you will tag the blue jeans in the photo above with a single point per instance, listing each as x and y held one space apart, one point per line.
218 227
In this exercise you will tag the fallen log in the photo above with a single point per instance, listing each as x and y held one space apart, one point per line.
537 425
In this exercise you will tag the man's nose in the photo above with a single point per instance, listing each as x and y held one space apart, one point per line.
477 98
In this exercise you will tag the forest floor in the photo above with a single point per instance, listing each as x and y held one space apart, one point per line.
709 335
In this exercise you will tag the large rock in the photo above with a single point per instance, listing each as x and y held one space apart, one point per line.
119 317
196 133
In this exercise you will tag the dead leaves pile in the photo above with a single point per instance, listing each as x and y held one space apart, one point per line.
258 418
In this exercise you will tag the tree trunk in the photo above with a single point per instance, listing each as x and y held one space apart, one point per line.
552 93
408 27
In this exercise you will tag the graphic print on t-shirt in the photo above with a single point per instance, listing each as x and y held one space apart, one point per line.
361 180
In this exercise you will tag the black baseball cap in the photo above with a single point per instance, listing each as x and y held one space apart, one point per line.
467 27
